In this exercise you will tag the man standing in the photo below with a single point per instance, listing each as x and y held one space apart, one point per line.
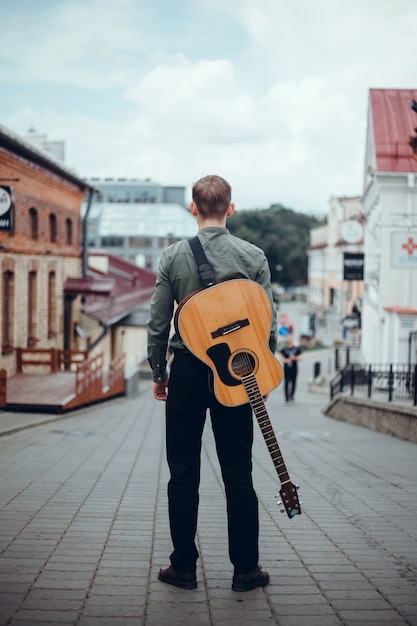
291 355
188 395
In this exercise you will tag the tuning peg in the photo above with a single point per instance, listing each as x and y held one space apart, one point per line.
282 510
279 503
297 486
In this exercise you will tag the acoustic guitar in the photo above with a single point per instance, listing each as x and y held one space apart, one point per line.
227 326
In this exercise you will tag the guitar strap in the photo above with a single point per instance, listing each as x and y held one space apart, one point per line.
204 268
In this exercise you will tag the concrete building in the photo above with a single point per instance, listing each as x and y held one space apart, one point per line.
55 148
136 219
135 190
389 333
335 260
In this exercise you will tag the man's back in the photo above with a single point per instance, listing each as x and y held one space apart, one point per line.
229 256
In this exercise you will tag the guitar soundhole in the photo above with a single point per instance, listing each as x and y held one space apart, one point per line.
242 364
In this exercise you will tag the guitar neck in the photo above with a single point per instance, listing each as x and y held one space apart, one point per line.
258 405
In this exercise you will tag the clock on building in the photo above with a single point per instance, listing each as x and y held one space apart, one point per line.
352 231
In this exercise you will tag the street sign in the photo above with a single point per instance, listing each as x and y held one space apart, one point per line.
351 322
283 319
353 263
6 208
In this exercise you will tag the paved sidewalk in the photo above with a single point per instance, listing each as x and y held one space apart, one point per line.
84 526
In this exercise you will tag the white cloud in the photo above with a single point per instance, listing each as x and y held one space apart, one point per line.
201 101
273 96
90 44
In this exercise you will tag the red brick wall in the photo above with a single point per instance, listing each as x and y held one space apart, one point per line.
49 193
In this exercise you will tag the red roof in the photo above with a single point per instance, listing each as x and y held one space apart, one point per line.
394 122
88 285
401 310
115 294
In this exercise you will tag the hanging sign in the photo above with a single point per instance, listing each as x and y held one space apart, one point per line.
353 265
6 208
351 322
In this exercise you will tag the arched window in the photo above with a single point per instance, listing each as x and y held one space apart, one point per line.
68 231
52 228
34 223
51 305
32 309
8 312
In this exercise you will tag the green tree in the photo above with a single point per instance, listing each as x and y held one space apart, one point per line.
284 236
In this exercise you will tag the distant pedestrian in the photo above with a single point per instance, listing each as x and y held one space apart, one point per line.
290 356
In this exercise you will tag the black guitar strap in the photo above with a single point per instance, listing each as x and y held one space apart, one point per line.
204 268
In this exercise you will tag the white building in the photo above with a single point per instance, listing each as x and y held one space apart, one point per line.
40 140
331 249
389 315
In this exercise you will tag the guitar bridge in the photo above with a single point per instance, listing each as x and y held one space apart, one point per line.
230 328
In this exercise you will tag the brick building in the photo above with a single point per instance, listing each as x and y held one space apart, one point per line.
40 246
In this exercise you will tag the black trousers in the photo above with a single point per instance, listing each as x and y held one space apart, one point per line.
189 398
290 375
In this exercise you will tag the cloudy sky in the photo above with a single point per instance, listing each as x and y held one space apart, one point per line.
271 94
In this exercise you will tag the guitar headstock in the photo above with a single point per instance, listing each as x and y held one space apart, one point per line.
289 497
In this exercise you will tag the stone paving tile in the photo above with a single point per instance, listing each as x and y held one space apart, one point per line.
44 616
84 526
310 620
110 621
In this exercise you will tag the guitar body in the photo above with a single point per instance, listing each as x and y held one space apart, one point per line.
227 326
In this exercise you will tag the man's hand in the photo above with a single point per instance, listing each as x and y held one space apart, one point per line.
160 390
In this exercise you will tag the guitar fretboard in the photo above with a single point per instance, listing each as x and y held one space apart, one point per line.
258 405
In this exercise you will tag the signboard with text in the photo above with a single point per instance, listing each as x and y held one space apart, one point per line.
353 265
351 322
6 208
404 249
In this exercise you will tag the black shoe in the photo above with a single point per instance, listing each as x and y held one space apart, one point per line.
184 580
246 582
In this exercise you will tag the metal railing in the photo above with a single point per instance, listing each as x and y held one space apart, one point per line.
393 381
345 356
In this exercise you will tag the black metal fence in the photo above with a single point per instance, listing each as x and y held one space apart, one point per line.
393 381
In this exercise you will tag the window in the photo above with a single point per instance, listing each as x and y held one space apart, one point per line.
34 223
51 305
52 228
68 231
140 242
8 312
112 242
32 308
